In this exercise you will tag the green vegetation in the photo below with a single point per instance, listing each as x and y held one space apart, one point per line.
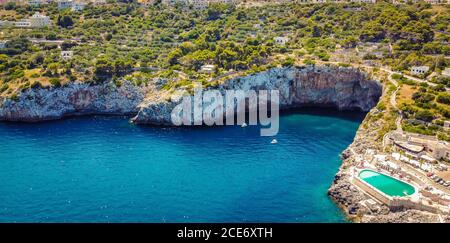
426 109
115 40
444 98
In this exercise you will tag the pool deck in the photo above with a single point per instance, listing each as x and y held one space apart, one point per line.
416 189
413 201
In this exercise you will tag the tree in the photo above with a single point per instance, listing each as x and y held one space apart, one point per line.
316 31
67 45
425 115
16 46
350 42
65 21
103 67
36 59
10 6
108 37
372 31
53 68
122 66
213 12
55 82
241 15
288 62
51 36
417 32
439 88
444 98
173 56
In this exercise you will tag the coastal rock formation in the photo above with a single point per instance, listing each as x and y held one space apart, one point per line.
342 88
39 104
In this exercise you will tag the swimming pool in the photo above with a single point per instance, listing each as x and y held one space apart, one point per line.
386 184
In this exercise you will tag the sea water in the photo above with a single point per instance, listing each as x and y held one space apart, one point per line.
104 169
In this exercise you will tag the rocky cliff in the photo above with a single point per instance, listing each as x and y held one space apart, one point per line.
343 88
39 104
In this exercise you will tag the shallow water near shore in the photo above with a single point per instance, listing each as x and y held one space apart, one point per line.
104 169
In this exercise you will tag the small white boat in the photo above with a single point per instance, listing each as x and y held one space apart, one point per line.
274 141
244 124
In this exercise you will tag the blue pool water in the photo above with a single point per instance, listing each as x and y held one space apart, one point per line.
103 169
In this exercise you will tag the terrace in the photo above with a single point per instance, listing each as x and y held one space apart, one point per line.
388 183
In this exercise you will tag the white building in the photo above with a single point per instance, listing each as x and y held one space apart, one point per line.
78 6
39 20
280 40
437 1
197 4
419 70
435 148
222 1
3 44
446 72
99 2
415 1
446 125
416 145
146 3
37 3
24 23
174 2
66 54
208 68
412 150
4 23
63 4
36 21
364 1
439 150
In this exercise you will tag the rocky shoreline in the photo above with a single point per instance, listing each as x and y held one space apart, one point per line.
342 88
339 87
42 104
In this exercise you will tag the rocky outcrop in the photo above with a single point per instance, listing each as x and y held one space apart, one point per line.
343 88
38 104
345 194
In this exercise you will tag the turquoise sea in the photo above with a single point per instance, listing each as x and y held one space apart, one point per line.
104 169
